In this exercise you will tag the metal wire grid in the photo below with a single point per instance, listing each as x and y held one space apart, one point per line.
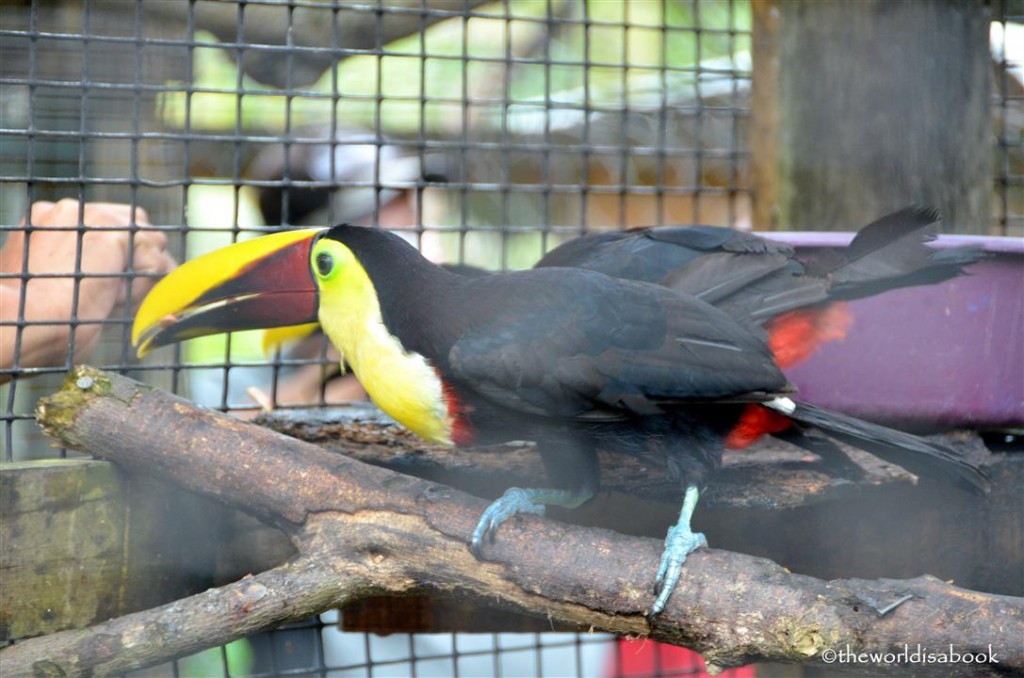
112 100
91 86
316 647
1008 114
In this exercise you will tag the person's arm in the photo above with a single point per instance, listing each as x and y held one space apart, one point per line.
105 252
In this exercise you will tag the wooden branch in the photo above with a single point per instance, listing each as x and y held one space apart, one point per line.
362 530
771 474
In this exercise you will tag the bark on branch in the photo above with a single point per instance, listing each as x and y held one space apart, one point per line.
362 530
771 474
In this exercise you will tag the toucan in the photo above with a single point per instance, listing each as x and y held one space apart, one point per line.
573 359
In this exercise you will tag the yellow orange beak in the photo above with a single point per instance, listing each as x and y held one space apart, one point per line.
256 284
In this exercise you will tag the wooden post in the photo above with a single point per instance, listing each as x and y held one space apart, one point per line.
84 541
860 108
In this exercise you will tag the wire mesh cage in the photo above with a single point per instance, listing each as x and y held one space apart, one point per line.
484 132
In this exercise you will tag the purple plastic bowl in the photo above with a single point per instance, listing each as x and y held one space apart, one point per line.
929 358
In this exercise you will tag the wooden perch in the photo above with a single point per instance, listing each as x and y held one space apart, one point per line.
361 530
771 474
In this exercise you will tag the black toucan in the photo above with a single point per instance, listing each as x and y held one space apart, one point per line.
574 359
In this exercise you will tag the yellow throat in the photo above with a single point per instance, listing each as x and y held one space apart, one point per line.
400 382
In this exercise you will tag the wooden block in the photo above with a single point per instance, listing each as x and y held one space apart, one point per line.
84 541
64 538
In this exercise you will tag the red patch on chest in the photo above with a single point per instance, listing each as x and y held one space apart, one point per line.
462 431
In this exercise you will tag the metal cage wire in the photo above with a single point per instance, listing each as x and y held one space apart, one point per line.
105 102
484 132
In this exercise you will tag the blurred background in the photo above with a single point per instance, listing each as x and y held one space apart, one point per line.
486 133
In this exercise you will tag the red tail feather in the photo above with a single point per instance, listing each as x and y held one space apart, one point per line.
793 336
754 423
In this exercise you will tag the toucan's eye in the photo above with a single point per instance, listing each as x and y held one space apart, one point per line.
324 264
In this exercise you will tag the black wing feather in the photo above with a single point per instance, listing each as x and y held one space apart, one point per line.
651 254
580 344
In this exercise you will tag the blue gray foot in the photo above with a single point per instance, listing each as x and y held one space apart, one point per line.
680 542
520 500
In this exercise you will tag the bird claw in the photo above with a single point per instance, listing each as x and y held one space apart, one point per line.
679 543
515 500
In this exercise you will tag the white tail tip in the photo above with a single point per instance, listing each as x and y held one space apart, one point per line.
782 404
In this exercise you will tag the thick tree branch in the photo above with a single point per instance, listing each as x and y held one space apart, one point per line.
362 530
770 474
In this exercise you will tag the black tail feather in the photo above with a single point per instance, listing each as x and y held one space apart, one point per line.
882 233
958 256
890 253
887 254
834 460
921 457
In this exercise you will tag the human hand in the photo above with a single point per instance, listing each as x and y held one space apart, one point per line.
107 249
